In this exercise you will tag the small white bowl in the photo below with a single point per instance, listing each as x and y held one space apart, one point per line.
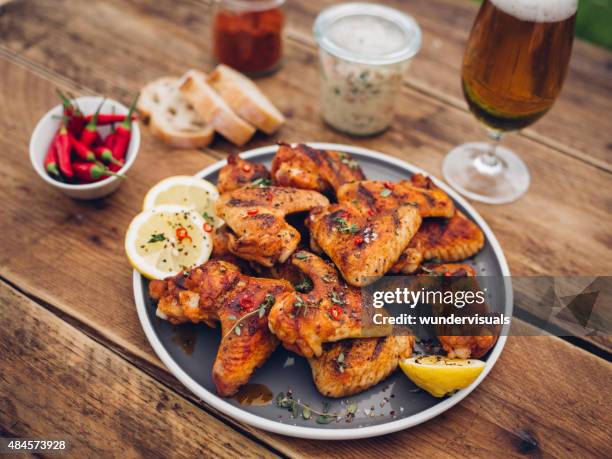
48 126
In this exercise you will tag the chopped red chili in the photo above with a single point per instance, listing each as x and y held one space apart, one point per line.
247 303
389 185
371 212
208 227
246 167
335 312
252 212
182 234
358 240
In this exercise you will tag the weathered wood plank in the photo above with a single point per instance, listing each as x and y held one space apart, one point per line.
57 381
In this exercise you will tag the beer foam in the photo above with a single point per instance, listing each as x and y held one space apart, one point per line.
538 10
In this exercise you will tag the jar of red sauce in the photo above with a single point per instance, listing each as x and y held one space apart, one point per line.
247 34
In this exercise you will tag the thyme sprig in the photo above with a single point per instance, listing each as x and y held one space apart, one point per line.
344 227
260 312
298 408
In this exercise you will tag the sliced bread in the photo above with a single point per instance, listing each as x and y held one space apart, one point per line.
213 109
246 99
172 119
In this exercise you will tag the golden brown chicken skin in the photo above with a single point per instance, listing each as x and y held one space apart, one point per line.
217 291
351 366
459 345
329 311
364 245
312 169
256 216
239 172
444 239
430 200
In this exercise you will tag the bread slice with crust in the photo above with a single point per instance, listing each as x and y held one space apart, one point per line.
172 119
246 99
213 109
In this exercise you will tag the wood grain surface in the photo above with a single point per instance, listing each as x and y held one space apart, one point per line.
57 381
68 256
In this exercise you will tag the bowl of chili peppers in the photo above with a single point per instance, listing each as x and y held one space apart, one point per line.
84 146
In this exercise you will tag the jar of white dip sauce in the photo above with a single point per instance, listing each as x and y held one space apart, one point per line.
364 50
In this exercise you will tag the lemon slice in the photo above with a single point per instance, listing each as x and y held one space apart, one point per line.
187 191
440 375
165 240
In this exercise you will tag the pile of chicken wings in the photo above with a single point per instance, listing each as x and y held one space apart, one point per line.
288 265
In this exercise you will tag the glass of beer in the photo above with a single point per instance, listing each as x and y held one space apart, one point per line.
513 69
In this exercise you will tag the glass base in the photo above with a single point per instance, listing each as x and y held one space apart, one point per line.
495 180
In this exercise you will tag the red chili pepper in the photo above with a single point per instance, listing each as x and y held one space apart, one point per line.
62 147
109 141
123 134
105 154
246 167
335 312
110 118
51 159
90 172
358 240
389 185
182 234
81 150
371 212
208 227
76 121
90 133
247 303
252 212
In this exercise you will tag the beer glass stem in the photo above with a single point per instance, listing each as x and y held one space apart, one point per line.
488 163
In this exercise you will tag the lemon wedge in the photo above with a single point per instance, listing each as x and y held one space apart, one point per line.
165 240
187 191
440 375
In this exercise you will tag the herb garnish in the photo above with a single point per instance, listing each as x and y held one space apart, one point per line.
336 299
304 286
340 362
297 408
302 307
344 227
301 256
386 192
260 312
260 183
209 218
156 237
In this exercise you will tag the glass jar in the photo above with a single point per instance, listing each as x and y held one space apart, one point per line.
364 50
247 35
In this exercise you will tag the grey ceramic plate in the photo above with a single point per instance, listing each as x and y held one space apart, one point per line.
189 350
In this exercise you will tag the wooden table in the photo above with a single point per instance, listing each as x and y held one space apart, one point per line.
73 358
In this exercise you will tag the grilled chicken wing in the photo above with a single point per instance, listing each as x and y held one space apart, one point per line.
445 239
351 366
362 244
311 169
329 311
460 344
239 172
421 192
257 219
217 291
